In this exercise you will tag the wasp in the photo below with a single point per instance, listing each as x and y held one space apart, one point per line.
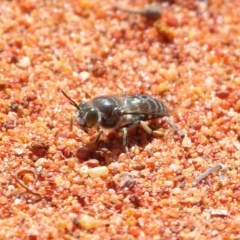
120 112
150 11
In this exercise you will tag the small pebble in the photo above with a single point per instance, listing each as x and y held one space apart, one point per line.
84 76
82 153
83 171
126 181
40 162
19 151
24 62
186 142
88 222
92 163
98 172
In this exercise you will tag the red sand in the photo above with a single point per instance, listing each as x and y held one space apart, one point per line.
57 184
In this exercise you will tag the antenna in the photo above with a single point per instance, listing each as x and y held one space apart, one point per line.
71 101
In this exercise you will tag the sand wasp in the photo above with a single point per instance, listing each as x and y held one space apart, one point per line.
120 112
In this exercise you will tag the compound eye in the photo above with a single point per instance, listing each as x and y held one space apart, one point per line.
91 118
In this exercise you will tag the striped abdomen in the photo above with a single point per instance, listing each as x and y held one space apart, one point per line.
123 111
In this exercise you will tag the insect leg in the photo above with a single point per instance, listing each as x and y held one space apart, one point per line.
125 132
146 127
174 126
71 129
71 124
100 131
158 133
148 130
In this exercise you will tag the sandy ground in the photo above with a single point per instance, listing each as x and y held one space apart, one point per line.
56 183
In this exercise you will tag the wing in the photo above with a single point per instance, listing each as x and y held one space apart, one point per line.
143 105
